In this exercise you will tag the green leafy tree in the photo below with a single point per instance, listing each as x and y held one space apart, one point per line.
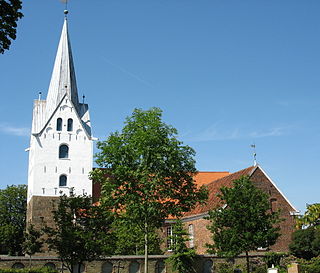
182 259
311 217
9 15
244 223
129 238
82 231
32 243
306 243
13 208
149 172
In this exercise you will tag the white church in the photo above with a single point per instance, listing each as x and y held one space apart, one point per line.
61 144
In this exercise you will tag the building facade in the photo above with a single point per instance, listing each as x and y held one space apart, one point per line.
196 224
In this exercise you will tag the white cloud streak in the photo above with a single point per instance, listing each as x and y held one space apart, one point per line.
213 133
14 131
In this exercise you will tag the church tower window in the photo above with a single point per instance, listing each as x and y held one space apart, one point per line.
70 124
59 124
63 151
62 180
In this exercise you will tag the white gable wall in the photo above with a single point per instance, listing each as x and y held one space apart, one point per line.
45 167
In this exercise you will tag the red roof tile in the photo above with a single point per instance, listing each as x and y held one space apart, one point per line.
214 187
202 178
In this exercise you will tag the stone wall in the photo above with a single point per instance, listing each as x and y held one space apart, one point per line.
122 264
39 213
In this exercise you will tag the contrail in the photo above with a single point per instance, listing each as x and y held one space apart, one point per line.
128 72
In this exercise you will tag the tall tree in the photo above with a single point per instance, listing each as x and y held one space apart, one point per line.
129 238
148 172
244 222
13 208
182 258
82 231
9 15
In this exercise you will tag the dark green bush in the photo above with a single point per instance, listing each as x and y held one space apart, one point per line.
29 270
274 258
311 266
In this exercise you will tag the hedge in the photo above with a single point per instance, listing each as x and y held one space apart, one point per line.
29 270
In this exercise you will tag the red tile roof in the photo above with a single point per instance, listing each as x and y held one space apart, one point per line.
214 187
202 178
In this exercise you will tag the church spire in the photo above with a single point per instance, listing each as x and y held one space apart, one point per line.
63 79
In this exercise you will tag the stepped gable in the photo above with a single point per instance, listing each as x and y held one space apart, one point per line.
214 188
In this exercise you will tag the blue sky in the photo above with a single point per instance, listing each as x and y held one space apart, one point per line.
226 74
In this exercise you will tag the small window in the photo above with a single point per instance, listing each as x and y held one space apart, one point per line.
160 267
18 265
273 204
63 181
59 124
107 267
70 125
50 265
134 267
63 151
207 266
169 237
191 236
76 268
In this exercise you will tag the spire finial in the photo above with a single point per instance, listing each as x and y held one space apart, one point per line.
253 146
66 7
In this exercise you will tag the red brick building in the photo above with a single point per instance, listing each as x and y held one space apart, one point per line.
197 225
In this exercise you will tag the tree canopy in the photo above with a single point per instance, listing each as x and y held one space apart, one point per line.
244 223
306 240
82 231
13 208
9 15
305 243
311 217
148 172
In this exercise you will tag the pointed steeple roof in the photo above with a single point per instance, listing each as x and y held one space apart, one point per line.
63 79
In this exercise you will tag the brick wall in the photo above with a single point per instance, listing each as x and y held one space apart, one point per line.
202 235
277 201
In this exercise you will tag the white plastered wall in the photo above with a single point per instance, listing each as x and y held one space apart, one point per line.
45 167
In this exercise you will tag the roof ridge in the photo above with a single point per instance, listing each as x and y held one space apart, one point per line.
233 174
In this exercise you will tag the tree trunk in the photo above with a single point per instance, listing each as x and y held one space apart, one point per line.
248 264
79 267
145 247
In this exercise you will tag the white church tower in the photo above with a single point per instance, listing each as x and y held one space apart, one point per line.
60 153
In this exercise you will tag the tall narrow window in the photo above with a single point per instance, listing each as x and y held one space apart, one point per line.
59 124
70 124
191 236
63 181
63 151
169 237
